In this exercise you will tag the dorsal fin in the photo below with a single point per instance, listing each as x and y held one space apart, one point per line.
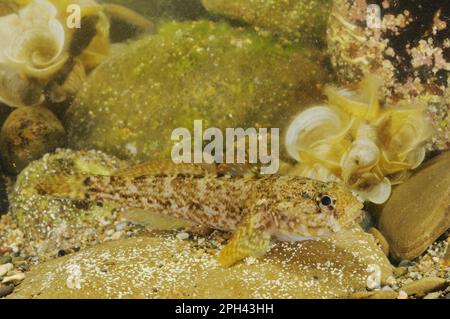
156 168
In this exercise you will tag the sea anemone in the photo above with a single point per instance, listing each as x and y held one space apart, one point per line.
355 140
33 40
37 44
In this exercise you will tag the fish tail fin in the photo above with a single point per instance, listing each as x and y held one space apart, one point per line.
67 186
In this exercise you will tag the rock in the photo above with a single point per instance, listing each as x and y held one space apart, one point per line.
4 202
160 10
418 211
227 77
6 290
406 263
162 266
446 257
380 240
5 268
58 224
424 286
14 279
299 20
377 294
400 271
5 259
409 52
433 295
28 134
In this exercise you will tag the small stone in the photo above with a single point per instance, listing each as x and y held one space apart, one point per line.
377 294
447 255
183 236
433 295
402 295
422 287
6 290
406 263
5 268
15 279
28 134
5 259
380 240
117 235
391 281
61 253
120 226
400 271
5 250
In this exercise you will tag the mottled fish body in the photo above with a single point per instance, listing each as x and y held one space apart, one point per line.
254 207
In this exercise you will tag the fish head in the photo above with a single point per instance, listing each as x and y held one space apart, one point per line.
338 204
324 210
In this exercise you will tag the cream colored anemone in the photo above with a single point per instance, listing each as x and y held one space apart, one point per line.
33 40
36 42
354 140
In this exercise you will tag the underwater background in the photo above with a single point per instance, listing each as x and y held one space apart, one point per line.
358 88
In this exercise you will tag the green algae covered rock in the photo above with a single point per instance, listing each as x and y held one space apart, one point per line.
298 20
164 266
164 9
59 223
227 77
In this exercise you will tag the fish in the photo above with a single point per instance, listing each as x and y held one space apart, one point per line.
255 208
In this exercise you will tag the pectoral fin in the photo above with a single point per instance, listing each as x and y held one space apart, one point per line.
155 221
251 238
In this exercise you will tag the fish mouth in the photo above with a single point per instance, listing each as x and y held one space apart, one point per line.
354 216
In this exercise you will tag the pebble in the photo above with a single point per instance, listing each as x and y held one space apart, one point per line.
15 279
423 286
183 236
447 255
4 250
400 271
120 226
406 263
377 294
6 290
117 235
402 295
28 134
433 295
5 268
5 259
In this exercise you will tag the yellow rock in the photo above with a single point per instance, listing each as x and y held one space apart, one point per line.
421 287
419 210
162 266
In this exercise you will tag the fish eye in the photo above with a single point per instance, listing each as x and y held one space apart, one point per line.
326 202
